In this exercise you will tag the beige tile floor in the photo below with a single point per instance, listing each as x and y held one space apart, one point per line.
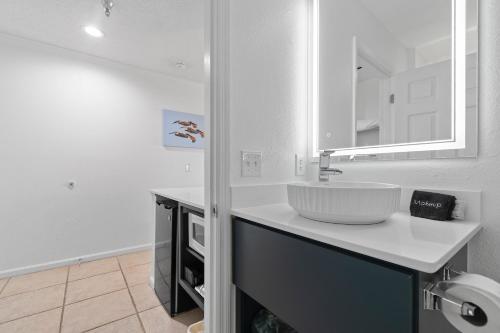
111 295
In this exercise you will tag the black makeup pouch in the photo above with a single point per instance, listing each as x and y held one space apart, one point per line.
434 206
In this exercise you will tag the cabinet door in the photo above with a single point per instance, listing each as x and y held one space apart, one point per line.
318 288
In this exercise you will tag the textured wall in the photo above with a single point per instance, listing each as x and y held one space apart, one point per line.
481 173
268 85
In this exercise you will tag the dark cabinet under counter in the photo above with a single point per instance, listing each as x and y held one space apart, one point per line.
316 287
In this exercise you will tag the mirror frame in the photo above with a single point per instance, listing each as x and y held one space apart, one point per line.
458 83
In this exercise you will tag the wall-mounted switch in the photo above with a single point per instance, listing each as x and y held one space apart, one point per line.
188 167
300 165
251 164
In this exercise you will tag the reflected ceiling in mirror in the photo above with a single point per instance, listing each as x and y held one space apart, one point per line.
394 74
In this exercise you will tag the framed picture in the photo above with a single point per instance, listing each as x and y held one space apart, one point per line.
183 130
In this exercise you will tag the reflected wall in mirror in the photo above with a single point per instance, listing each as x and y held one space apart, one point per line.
387 75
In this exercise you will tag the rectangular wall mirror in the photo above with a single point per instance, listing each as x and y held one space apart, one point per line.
394 76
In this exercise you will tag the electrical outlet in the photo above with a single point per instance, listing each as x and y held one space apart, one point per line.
300 165
251 164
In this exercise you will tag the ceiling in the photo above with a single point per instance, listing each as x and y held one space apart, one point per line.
151 34
418 22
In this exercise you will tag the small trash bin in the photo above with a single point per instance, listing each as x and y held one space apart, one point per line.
196 328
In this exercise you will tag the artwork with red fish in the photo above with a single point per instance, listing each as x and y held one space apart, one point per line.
194 130
184 130
186 123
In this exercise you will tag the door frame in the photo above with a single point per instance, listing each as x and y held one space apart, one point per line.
218 304
359 49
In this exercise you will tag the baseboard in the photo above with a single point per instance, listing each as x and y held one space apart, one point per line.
71 261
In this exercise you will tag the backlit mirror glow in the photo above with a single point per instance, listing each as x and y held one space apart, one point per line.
393 76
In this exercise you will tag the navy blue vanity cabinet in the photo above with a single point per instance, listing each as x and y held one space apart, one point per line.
318 288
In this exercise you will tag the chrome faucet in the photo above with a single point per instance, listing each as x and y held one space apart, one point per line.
324 166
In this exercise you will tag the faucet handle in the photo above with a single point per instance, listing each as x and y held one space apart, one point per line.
327 152
324 158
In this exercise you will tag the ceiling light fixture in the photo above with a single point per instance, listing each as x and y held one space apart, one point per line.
108 5
93 31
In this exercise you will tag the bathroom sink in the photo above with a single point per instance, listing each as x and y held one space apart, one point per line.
344 202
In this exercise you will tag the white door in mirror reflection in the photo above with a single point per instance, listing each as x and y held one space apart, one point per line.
422 104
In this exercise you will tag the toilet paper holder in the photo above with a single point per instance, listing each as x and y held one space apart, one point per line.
435 298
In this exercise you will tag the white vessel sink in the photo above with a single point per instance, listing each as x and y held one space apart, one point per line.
345 202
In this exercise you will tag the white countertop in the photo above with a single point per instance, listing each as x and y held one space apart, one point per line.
420 244
192 196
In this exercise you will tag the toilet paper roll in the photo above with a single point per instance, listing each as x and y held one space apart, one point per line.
480 291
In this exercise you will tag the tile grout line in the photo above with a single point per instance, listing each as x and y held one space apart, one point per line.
111 322
132 298
64 300
31 291
65 293
57 307
53 285
91 276
30 315
68 266
64 305
57 284
89 298
4 286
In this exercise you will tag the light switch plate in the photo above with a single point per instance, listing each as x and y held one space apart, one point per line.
251 164
300 165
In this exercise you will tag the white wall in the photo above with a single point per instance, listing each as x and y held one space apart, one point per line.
66 116
368 100
482 173
268 80
368 107
439 50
